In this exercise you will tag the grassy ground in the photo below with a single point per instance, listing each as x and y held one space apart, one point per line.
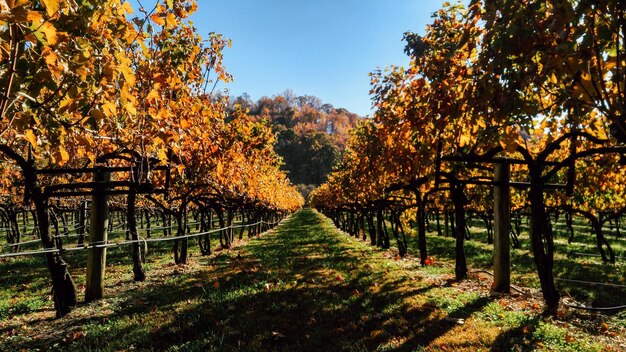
568 265
302 287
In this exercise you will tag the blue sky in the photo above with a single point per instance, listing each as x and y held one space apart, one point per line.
324 48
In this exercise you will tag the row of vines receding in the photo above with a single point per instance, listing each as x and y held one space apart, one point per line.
538 87
110 122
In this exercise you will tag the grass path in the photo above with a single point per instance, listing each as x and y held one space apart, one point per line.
302 287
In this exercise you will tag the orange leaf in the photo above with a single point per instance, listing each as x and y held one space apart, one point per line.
156 18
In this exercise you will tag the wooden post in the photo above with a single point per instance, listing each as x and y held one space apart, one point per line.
502 228
99 223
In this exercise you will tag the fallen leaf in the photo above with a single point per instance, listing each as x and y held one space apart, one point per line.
604 327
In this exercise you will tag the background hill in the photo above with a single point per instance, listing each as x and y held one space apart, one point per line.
311 135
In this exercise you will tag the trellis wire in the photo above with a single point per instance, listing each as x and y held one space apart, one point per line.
145 241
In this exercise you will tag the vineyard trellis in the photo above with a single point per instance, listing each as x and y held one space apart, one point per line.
143 241
550 107
99 102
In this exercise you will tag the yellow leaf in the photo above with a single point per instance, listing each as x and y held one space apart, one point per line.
50 31
184 123
162 155
65 156
153 95
125 69
128 7
109 109
465 139
52 6
130 107
171 21
553 78
31 138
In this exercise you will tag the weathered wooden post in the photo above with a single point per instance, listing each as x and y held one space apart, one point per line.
99 223
502 228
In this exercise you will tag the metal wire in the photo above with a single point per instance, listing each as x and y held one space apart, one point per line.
145 241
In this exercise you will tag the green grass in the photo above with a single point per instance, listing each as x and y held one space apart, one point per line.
566 266
302 287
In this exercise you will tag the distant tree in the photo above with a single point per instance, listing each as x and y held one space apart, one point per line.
310 134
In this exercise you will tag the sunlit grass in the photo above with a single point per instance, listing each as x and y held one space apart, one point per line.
302 287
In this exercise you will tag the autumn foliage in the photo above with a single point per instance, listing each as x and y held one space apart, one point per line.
539 82
82 82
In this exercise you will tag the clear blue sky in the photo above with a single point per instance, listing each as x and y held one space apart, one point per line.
324 48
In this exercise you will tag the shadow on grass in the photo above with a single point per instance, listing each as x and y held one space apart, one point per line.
301 288
513 339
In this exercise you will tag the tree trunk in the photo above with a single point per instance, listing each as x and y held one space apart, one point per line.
371 228
458 200
138 271
542 244
421 228
502 229
181 230
63 289
379 227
